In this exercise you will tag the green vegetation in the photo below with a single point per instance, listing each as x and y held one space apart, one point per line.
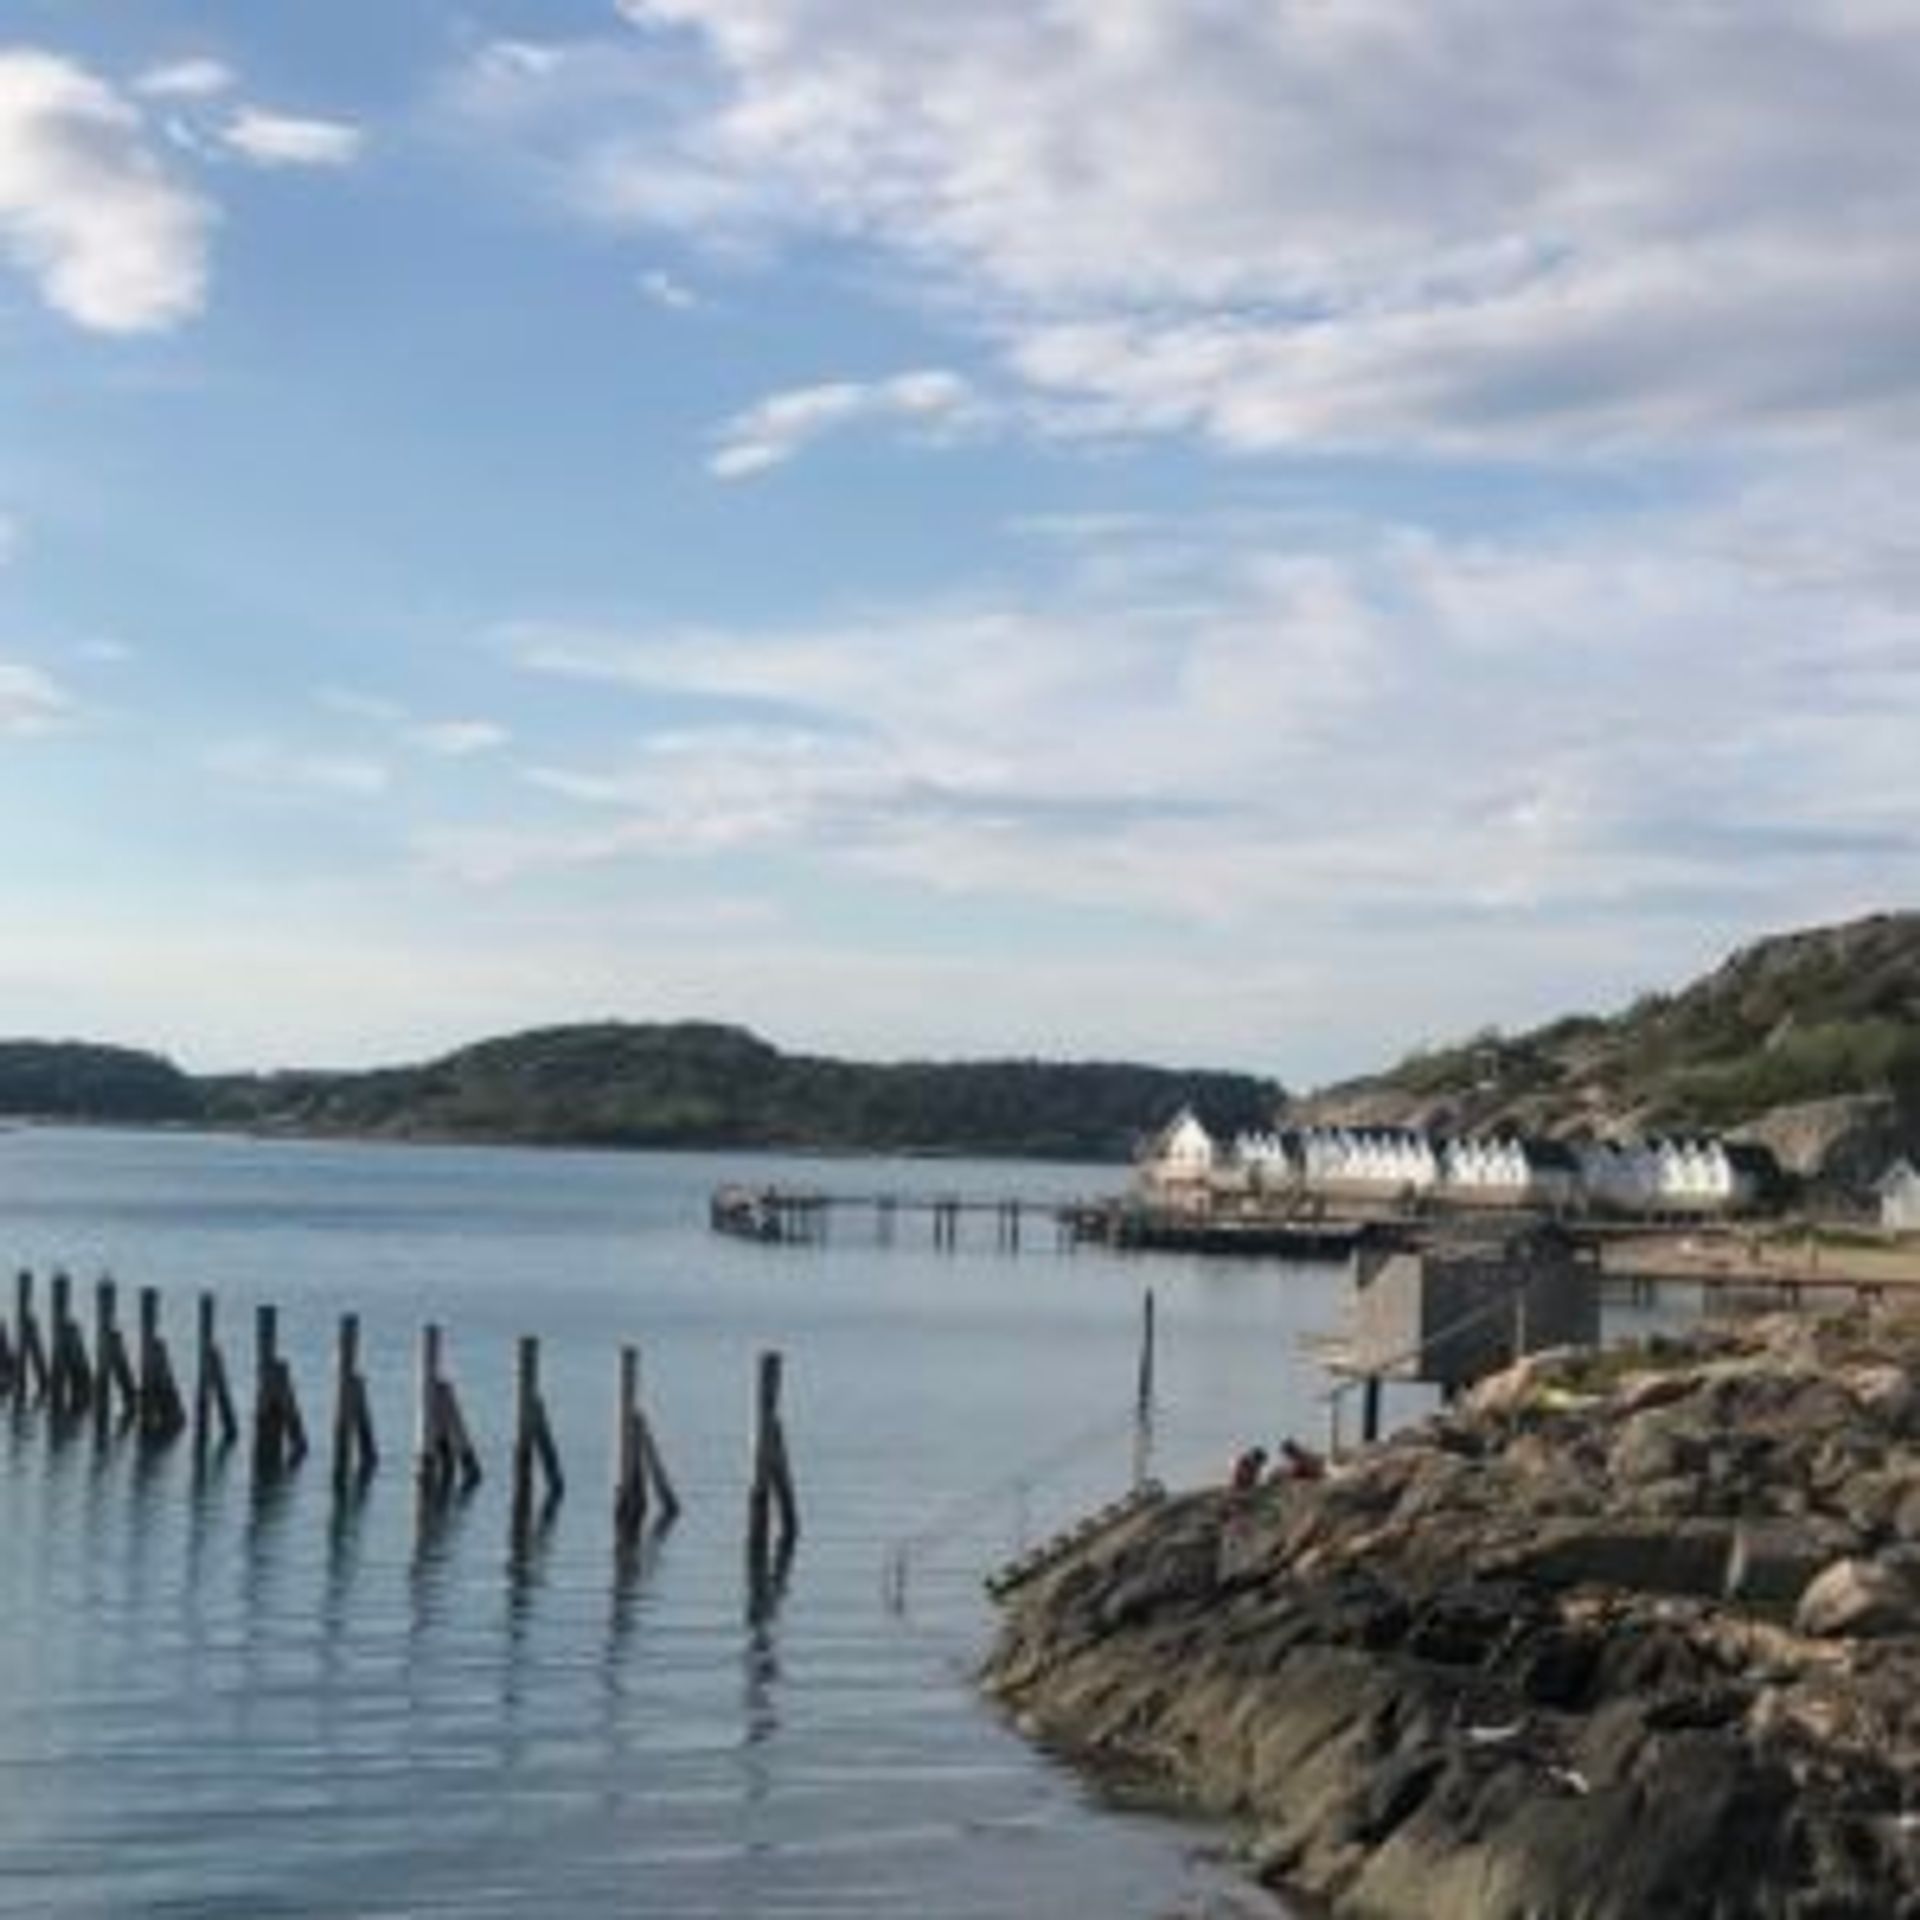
1829 1013
71 1080
694 1084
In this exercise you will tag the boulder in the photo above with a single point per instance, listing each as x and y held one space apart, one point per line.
1856 1599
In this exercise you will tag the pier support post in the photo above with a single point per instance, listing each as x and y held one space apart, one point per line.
772 1496
161 1413
1143 1396
446 1451
354 1453
532 1438
211 1393
72 1382
35 1376
110 1357
279 1433
639 1472
1370 1409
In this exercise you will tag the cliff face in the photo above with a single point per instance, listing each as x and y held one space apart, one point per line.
1809 1041
1621 1638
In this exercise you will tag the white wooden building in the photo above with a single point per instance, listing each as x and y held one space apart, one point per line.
1899 1191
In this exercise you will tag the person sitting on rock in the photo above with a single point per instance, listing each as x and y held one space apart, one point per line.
1247 1469
1299 1463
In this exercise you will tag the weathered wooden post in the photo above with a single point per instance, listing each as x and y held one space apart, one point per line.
1370 1409
354 1453
532 1437
110 1357
211 1393
161 1414
35 1375
772 1474
1143 1395
279 1432
637 1463
72 1387
445 1446
9 1369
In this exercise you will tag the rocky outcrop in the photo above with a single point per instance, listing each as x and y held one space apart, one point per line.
1618 1637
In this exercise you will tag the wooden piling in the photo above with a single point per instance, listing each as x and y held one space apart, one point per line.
161 1414
354 1454
212 1396
35 1375
629 1485
639 1471
114 1370
532 1435
1370 1409
1143 1395
772 1495
445 1449
71 1390
279 1432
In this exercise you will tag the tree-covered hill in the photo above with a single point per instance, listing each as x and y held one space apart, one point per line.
1809 1040
697 1084
75 1080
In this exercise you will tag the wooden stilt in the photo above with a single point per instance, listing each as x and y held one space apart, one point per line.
1370 1409
114 1370
9 1367
629 1480
354 1454
532 1436
1143 1395
273 1435
655 1470
71 1391
445 1448
772 1492
211 1394
35 1375
162 1415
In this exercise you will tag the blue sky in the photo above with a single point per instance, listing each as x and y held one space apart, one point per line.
1210 530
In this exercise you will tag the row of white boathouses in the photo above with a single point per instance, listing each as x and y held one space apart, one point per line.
1668 1173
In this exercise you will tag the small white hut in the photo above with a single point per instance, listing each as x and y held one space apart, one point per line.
1899 1191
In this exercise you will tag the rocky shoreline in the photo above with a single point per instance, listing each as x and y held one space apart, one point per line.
1623 1636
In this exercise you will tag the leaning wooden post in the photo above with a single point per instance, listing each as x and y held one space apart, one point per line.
72 1378
211 1393
112 1367
532 1436
161 1414
772 1475
354 1454
34 1372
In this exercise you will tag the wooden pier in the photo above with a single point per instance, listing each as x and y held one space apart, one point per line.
803 1217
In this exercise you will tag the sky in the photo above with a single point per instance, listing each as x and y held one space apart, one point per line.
1256 533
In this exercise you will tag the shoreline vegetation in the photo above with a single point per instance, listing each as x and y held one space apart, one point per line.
1625 1633
682 1085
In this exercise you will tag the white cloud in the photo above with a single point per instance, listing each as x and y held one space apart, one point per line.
194 79
1293 735
457 739
30 701
665 290
772 431
1313 225
273 765
87 210
282 140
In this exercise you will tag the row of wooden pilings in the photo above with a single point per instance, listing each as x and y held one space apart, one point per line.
53 1368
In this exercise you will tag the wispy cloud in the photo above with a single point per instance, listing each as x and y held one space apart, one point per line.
31 701
774 430
668 291
1355 229
447 738
89 212
199 78
273 765
287 140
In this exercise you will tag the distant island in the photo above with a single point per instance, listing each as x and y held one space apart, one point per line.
1806 1042
680 1084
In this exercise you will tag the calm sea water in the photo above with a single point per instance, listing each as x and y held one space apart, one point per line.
216 1700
